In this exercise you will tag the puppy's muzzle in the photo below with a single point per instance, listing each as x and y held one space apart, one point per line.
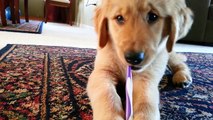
134 58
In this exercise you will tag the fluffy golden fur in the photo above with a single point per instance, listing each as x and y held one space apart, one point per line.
151 26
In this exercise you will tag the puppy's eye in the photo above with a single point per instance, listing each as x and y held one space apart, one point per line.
152 17
120 19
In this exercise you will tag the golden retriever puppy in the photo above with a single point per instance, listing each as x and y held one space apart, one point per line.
140 34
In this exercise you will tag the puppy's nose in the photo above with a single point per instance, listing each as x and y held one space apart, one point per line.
134 58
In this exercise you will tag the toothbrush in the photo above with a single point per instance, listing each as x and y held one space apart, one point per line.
129 92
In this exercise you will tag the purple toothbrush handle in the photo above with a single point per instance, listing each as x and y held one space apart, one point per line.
128 101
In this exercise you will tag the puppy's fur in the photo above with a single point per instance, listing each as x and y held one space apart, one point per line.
135 32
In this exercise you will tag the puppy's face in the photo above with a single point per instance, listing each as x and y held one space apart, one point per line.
136 29
140 29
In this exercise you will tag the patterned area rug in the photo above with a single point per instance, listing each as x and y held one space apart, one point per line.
32 26
40 82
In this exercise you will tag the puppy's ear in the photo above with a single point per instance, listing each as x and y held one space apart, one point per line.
180 24
101 27
173 33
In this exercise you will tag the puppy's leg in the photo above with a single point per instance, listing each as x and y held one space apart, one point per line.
105 102
182 76
146 100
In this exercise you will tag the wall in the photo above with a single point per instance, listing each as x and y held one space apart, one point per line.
35 7
83 13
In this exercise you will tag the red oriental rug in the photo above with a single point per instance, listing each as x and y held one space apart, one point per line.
33 26
48 82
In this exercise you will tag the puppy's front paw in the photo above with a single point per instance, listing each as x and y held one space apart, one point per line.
108 116
182 79
147 116
147 112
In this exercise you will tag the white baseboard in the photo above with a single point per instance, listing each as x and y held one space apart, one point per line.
84 25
